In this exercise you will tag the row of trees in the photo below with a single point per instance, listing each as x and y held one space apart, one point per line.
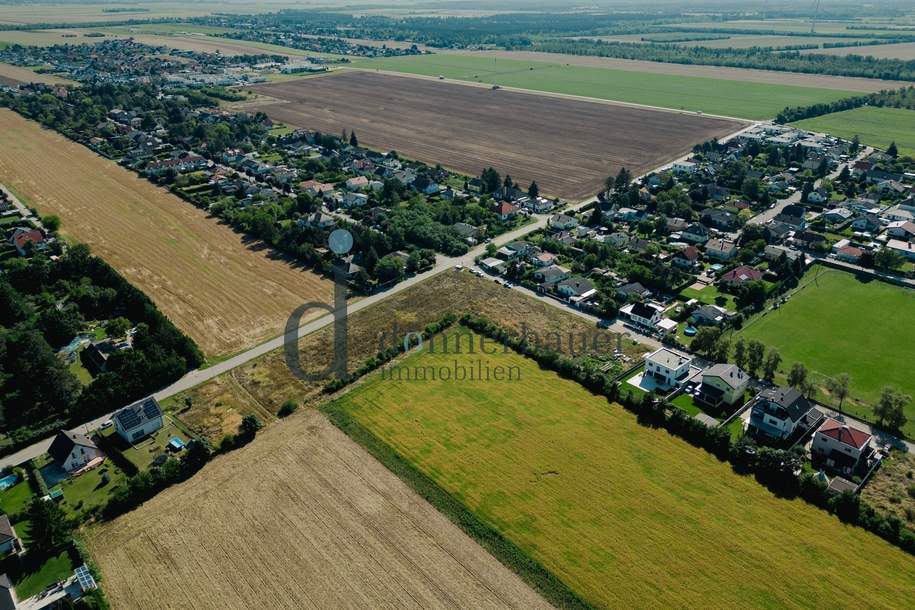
44 305
752 356
889 98
785 61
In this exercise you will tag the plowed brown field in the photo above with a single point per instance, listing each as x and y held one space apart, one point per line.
567 145
300 518
224 293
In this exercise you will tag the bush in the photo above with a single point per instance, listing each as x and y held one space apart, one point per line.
287 408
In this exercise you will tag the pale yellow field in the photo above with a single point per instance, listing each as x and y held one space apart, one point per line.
14 75
225 293
300 518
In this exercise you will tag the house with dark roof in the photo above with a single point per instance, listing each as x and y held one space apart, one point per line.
576 288
9 541
633 291
718 219
840 446
138 420
647 315
72 451
722 385
8 599
777 412
710 315
695 233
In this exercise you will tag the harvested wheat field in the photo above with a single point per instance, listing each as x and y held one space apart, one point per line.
300 518
224 293
14 76
568 146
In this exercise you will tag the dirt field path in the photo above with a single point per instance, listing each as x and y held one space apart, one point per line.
223 292
301 518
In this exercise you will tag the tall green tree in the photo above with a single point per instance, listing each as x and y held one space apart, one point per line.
890 409
838 387
755 353
773 359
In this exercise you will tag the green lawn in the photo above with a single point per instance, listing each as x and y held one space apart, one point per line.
685 402
874 126
710 295
15 499
623 514
716 96
838 324
142 453
33 580
87 491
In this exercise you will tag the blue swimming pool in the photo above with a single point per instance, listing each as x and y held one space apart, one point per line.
8 481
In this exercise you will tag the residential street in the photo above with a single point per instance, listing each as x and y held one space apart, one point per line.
767 215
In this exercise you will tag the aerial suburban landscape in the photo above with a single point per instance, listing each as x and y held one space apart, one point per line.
453 304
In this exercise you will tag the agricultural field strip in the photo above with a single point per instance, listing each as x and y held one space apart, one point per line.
531 459
223 292
525 133
842 83
325 524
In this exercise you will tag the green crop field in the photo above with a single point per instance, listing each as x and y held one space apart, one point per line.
839 324
875 126
624 515
743 99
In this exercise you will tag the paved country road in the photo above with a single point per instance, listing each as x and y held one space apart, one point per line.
443 263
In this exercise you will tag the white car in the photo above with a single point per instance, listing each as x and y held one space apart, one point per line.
106 424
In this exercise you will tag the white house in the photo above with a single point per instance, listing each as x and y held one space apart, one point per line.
904 248
355 200
140 419
840 446
722 249
685 167
722 384
667 367
901 229
359 182
643 314
72 451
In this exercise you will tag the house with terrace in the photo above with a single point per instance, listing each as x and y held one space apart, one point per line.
667 367
776 413
840 447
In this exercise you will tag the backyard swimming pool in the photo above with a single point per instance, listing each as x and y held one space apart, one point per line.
8 481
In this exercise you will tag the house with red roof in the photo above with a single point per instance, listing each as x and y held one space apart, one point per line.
506 210
22 237
741 274
840 446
